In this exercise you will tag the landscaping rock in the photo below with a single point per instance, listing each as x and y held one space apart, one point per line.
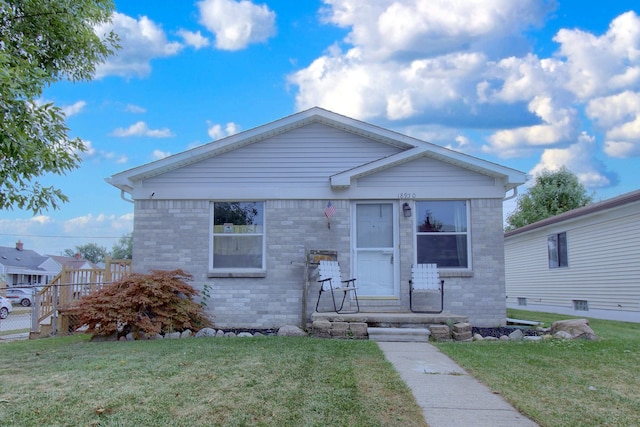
339 329
358 329
477 337
219 333
462 328
230 334
206 332
321 328
172 335
576 328
516 335
245 335
186 333
291 331
462 336
563 335
440 332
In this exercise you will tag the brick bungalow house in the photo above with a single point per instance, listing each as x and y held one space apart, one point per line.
242 215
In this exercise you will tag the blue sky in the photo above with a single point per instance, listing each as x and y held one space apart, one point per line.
529 84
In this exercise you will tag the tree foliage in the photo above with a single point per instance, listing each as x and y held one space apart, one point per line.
124 248
41 42
154 303
552 193
91 251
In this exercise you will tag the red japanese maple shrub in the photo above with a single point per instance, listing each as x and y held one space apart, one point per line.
154 303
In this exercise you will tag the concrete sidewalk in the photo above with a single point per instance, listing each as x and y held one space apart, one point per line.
447 394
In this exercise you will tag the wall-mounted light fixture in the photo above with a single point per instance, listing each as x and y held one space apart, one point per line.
406 210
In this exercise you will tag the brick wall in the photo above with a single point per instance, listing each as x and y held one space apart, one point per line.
175 234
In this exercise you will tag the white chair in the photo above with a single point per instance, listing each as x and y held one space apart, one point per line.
425 277
331 281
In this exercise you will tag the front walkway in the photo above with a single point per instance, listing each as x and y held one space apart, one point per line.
449 397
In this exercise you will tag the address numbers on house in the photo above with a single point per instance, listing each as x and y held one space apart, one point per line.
406 195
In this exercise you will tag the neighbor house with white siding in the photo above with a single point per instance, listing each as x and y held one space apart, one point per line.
584 262
244 214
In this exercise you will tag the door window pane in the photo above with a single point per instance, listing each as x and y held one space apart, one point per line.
374 224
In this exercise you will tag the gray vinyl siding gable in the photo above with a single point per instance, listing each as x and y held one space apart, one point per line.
305 156
426 172
604 263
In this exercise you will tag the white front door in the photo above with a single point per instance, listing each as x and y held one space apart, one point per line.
374 249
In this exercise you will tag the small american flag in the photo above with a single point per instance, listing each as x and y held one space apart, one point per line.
329 211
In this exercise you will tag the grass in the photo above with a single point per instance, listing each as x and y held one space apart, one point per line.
270 381
562 383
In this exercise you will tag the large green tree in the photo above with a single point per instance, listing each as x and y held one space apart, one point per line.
91 251
124 248
42 42
553 193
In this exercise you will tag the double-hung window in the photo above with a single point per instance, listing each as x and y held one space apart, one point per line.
442 233
238 242
557 246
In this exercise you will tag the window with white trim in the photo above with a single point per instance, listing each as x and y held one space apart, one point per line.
442 235
557 246
237 238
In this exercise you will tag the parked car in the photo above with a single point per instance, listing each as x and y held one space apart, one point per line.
5 307
24 297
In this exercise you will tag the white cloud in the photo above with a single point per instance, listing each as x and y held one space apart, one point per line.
47 235
98 225
159 154
236 24
559 126
136 109
141 129
142 40
579 159
194 39
620 116
387 28
97 155
602 65
70 110
216 131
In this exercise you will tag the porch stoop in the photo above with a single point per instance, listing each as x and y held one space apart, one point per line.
395 326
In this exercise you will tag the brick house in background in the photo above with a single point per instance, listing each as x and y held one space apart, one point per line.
243 213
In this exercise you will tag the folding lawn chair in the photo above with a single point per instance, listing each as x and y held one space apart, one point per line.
425 277
331 281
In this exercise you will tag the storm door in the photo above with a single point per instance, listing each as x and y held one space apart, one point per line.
374 250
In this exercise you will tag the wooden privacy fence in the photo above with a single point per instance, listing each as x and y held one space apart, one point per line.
68 286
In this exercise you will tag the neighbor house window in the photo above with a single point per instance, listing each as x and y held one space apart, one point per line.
442 233
580 305
522 301
557 245
238 236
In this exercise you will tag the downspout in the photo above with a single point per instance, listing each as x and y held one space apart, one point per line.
512 196
124 198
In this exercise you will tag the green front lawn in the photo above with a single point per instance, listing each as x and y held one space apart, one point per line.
562 383
269 381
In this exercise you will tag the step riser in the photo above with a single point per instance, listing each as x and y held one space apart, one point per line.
399 334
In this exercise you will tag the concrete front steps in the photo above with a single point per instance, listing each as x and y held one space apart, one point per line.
399 334
390 327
